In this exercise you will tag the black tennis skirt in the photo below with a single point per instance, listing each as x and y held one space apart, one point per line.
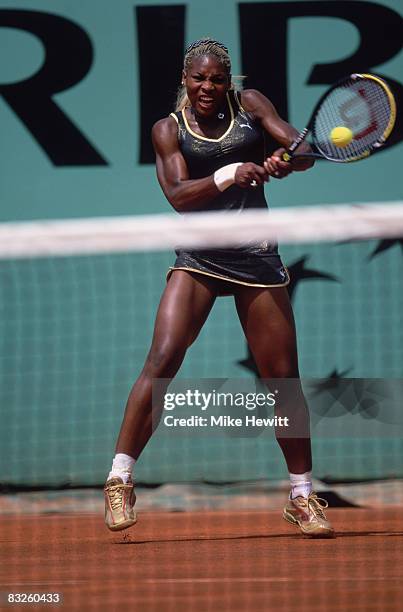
252 267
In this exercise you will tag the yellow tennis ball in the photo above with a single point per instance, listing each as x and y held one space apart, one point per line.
341 136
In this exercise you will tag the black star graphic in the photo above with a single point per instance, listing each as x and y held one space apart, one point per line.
298 272
249 363
330 382
319 392
385 245
336 396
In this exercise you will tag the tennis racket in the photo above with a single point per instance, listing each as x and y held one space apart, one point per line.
351 120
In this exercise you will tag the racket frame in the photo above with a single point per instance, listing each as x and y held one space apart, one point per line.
289 154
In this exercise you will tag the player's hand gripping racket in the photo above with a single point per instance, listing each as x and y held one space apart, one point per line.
351 120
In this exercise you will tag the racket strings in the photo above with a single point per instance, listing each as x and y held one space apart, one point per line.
361 105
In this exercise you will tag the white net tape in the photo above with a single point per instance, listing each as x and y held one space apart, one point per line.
200 230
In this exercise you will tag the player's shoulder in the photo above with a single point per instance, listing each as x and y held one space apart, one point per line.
165 125
164 130
256 103
250 98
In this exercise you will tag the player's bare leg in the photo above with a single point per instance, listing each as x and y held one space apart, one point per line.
184 307
268 322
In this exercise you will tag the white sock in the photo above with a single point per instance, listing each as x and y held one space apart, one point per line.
301 485
122 467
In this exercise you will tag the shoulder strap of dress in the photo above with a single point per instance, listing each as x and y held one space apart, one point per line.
238 100
174 115
178 116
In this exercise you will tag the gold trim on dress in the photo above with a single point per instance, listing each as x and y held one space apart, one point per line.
226 278
205 137
236 96
175 117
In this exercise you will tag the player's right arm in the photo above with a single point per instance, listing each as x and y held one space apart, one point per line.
183 193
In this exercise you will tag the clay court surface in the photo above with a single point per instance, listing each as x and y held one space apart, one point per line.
205 561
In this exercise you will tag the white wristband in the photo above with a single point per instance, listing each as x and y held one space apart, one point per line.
225 176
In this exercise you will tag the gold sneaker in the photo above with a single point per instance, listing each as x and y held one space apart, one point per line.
308 514
119 502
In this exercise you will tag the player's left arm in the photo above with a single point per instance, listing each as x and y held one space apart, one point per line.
256 103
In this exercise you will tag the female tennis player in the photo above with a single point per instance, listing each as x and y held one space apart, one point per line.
210 156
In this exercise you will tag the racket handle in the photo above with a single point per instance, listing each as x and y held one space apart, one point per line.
288 155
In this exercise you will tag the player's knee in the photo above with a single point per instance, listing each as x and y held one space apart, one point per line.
165 359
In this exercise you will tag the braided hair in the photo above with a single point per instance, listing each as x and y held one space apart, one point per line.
204 46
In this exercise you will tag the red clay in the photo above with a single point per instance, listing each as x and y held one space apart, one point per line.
199 561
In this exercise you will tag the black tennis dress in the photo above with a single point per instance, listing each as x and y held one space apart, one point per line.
257 265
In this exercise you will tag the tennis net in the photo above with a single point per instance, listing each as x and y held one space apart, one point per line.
78 303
